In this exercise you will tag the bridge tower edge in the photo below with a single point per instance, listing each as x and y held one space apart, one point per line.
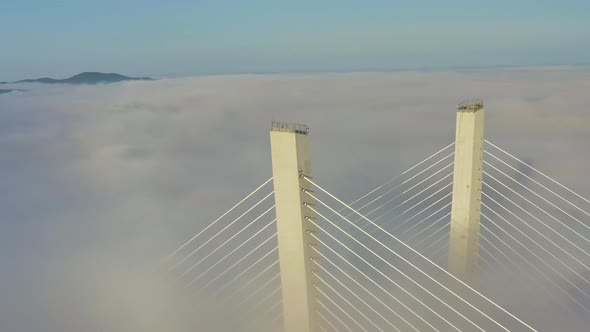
291 159
463 256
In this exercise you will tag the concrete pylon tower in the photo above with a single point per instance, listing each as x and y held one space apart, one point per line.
465 215
291 159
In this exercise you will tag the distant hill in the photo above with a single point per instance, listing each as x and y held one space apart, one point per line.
9 91
85 78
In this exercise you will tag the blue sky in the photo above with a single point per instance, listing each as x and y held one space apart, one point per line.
162 38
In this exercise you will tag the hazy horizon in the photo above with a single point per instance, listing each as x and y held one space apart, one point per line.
180 38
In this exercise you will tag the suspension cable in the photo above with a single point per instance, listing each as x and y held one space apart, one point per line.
230 253
543 247
539 208
543 198
397 227
324 295
517 265
444 236
536 268
348 302
417 204
253 279
247 269
429 226
259 289
333 315
419 254
324 270
405 182
399 176
404 193
221 231
227 241
431 235
326 320
400 195
427 218
324 245
536 170
223 215
537 219
532 253
379 271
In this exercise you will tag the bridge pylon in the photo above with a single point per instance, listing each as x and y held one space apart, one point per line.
290 161
467 185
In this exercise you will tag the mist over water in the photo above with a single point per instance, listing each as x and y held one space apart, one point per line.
100 183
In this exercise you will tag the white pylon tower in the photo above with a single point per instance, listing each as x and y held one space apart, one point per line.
467 185
290 160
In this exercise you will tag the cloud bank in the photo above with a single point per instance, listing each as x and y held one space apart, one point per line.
100 182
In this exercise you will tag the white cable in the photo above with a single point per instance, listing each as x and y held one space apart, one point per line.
324 245
273 307
439 250
397 227
441 257
400 195
379 271
243 286
541 197
527 224
422 211
487 263
324 295
239 261
549 265
223 215
425 219
226 242
419 254
537 219
326 320
259 289
348 302
231 252
539 245
401 175
431 235
276 304
424 200
444 236
485 239
536 268
398 177
403 193
483 249
405 182
429 226
252 308
519 267
351 292
536 170
333 315
221 231
539 208
241 273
